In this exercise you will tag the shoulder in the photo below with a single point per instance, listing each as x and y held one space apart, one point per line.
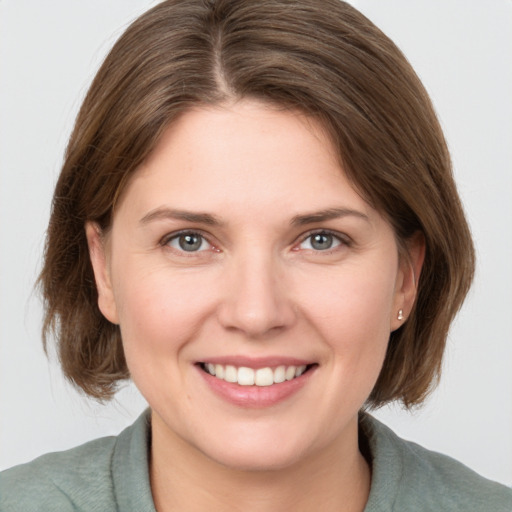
407 476
61 481
104 475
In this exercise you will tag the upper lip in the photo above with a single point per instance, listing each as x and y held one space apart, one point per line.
257 362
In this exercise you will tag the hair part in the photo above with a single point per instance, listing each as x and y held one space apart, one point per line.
324 59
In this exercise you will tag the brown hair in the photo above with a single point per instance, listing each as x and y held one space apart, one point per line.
322 58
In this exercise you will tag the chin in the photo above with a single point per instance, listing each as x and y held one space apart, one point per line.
260 448
266 459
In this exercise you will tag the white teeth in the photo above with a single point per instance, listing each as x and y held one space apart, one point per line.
299 371
264 377
219 371
230 375
279 374
290 372
245 376
249 377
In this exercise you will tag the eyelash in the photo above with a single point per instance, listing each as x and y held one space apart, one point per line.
342 240
175 236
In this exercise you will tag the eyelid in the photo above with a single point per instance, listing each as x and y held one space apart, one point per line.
164 241
343 238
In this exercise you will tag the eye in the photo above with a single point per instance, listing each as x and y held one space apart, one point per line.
321 241
188 242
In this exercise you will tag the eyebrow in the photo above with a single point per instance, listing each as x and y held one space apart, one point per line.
211 220
329 214
172 214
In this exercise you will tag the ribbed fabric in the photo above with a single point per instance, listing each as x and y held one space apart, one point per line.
407 477
111 475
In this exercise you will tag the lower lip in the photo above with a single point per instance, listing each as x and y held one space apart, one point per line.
255 396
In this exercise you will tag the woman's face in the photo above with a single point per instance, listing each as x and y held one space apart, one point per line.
240 248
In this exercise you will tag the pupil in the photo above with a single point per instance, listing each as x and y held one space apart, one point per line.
190 242
321 241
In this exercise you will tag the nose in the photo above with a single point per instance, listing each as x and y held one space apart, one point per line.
255 299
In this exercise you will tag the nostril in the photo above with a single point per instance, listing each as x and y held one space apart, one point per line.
256 317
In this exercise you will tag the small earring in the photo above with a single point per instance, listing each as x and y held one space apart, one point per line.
400 314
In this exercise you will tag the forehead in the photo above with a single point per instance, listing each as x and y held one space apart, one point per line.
246 154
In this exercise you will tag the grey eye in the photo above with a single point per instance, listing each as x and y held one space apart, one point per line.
320 242
188 242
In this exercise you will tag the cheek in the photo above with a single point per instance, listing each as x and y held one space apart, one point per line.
159 312
351 311
355 297
352 317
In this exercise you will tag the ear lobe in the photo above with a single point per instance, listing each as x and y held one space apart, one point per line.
407 283
99 260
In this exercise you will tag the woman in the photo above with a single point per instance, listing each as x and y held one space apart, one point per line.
255 221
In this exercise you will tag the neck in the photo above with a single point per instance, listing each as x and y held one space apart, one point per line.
185 479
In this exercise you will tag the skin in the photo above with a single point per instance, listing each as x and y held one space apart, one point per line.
256 287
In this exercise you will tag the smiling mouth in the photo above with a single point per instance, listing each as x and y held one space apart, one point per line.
245 376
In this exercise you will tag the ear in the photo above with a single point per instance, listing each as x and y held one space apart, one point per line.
411 262
99 259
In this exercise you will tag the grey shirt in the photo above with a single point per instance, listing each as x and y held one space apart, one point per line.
111 474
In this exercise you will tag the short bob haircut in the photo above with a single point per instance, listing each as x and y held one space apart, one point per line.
320 58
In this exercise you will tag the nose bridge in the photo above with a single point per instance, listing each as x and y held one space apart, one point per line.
255 299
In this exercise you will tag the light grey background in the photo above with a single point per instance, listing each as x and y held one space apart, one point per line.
461 49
